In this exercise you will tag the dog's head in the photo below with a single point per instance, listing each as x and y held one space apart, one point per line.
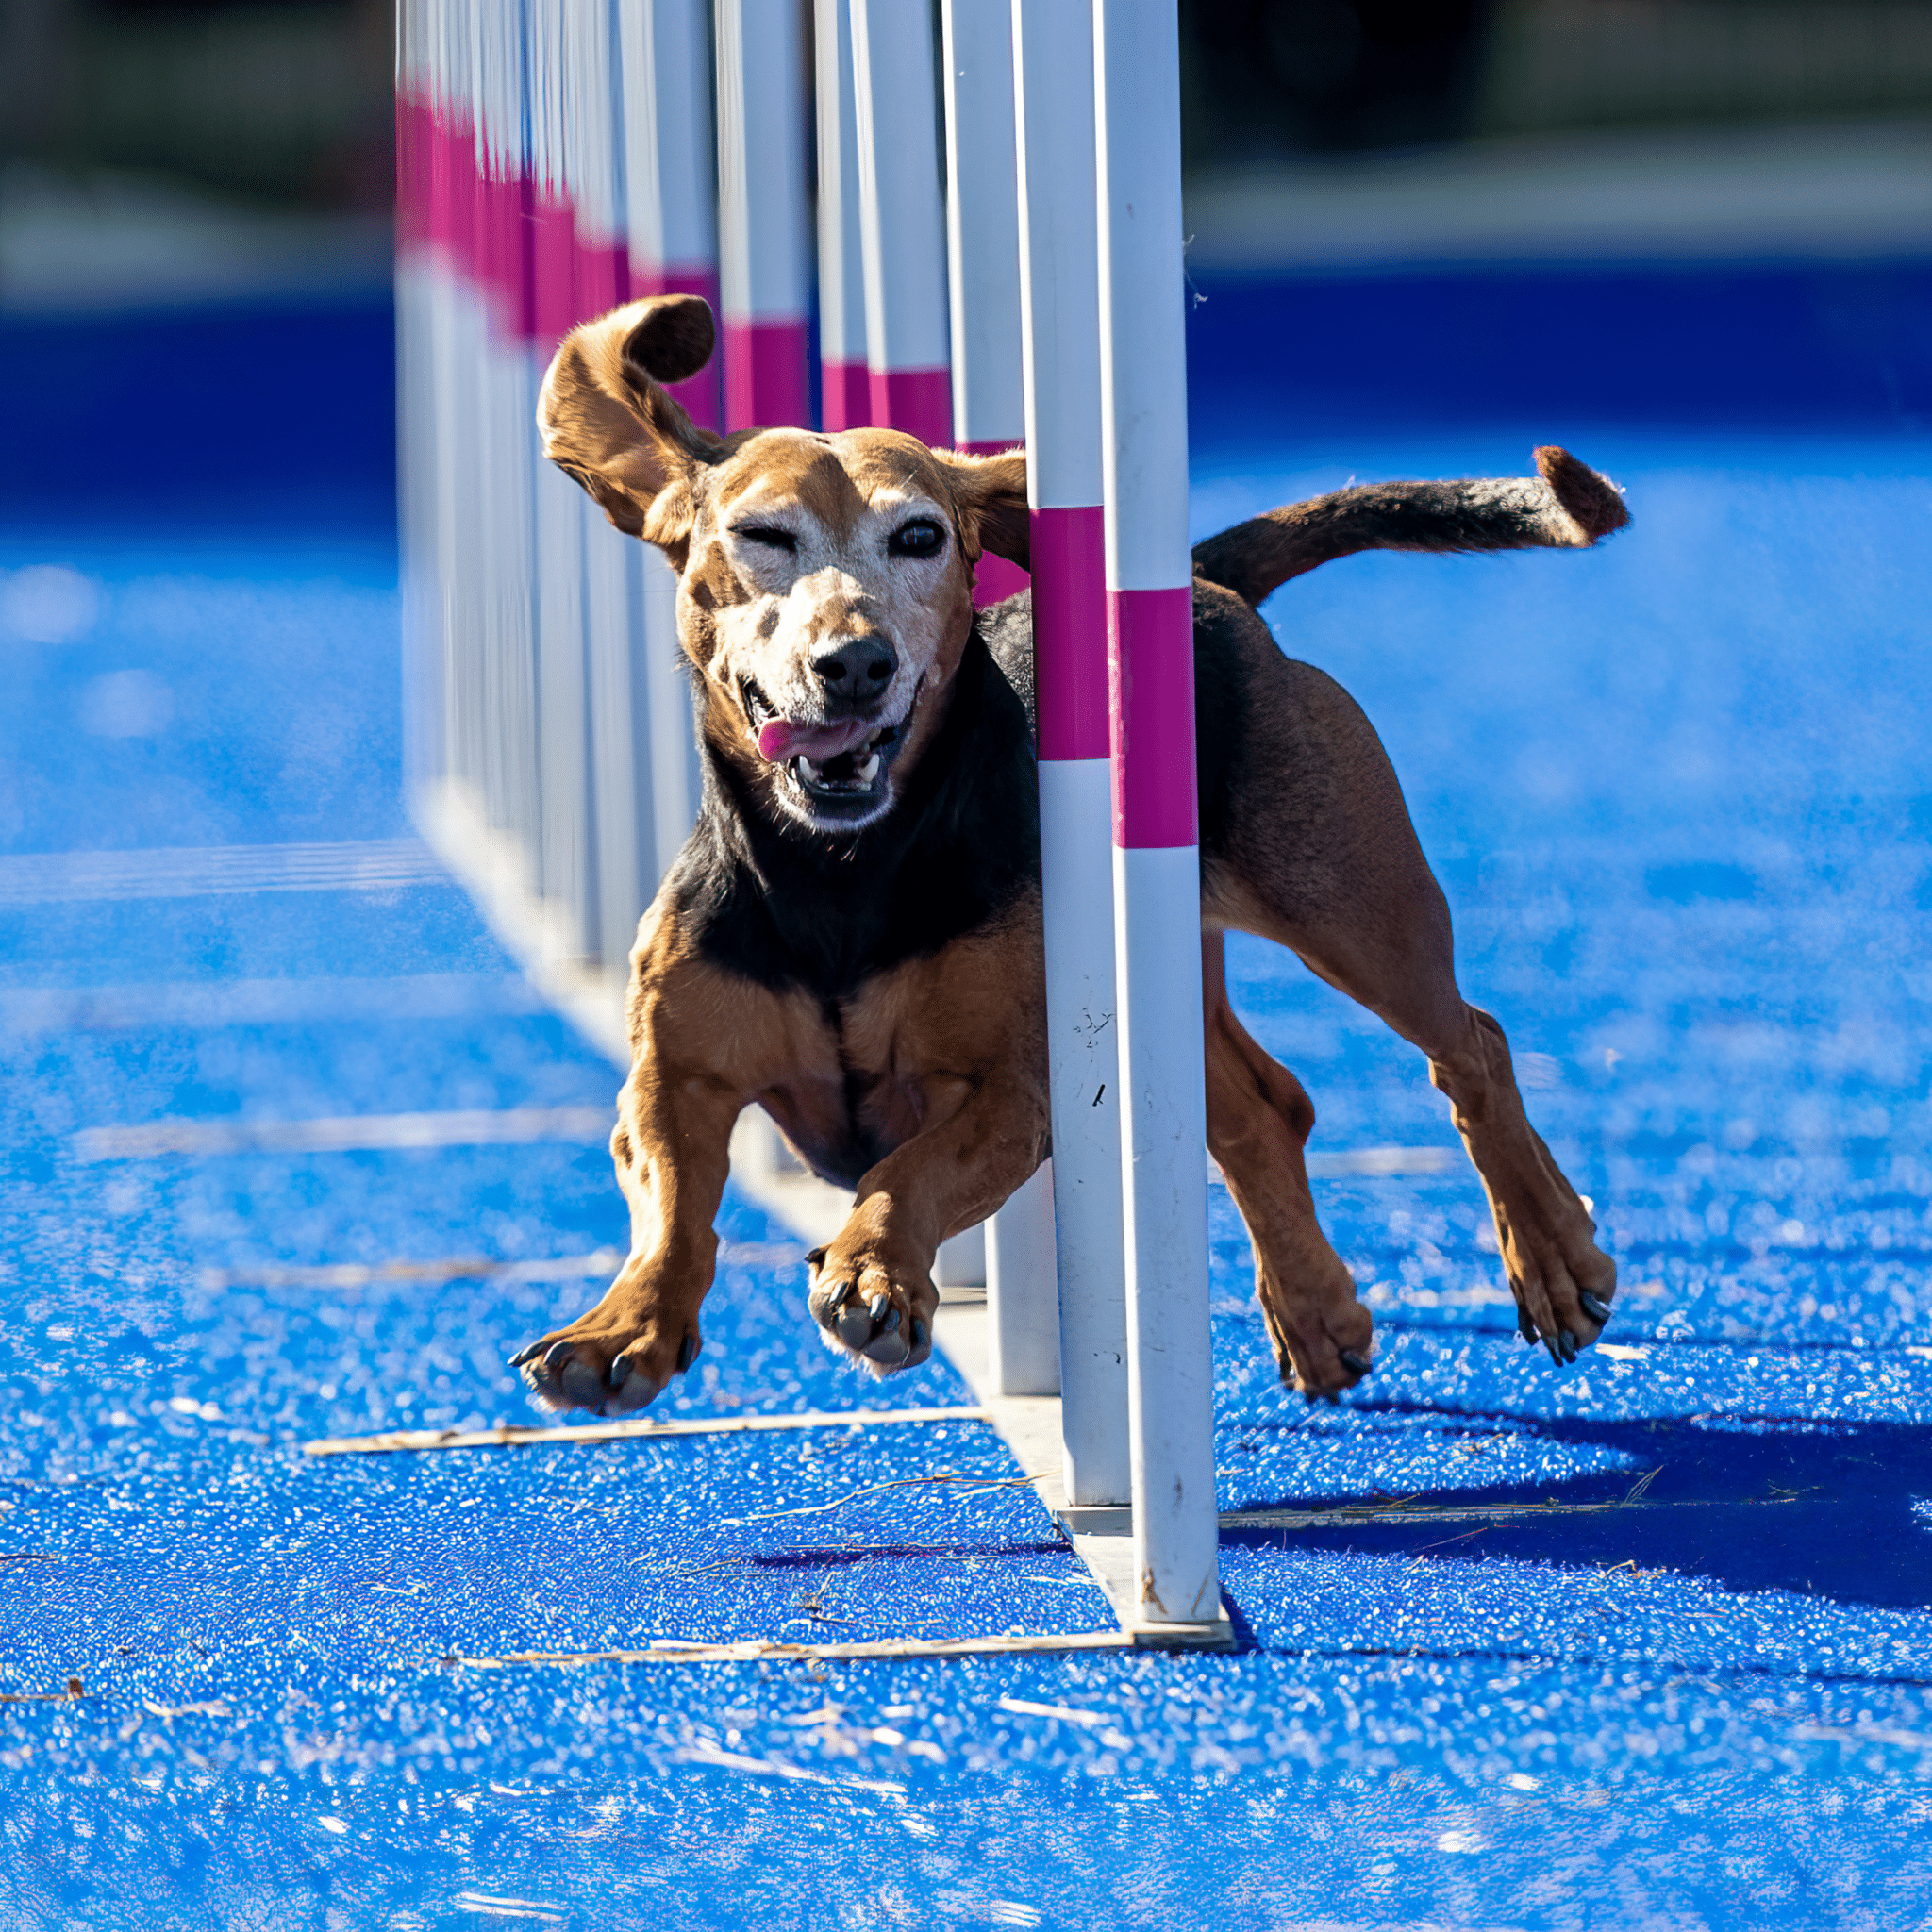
824 582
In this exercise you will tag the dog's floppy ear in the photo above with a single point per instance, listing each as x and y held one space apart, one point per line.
990 493
607 420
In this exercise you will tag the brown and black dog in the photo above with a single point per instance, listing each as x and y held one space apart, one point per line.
852 937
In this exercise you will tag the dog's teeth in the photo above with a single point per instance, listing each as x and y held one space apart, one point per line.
806 765
868 771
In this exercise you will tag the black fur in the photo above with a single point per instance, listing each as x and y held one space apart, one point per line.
788 908
791 908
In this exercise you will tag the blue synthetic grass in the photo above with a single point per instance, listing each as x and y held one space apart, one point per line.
1676 794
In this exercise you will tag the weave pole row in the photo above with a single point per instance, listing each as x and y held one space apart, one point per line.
998 256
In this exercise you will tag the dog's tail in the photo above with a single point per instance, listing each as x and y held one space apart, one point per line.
1566 506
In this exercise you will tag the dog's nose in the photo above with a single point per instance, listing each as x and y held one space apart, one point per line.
856 672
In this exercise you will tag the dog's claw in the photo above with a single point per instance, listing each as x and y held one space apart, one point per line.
687 1353
527 1353
1524 1326
1598 1311
1359 1364
620 1372
813 1256
921 1333
558 1354
877 1305
1569 1346
839 1296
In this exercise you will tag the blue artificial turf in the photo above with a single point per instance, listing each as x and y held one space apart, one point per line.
1676 794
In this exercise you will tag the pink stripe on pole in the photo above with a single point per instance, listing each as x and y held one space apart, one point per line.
1150 638
995 579
1070 631
698 397
412 186
919 401
603 276
510 201
764 374
553 266
845 400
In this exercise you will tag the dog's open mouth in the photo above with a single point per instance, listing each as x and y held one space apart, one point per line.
837 770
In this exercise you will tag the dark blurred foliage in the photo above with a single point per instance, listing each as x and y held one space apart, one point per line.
280 101
1267 75
289 101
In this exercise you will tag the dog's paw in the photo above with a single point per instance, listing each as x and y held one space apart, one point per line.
1324 1343
868 1307
609 1364
1564 1284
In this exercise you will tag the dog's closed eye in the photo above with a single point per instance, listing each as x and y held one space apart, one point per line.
774 536
919 537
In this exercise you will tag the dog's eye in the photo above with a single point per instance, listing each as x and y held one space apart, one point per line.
774 536
921 538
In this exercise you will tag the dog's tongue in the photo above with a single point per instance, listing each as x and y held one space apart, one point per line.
780 740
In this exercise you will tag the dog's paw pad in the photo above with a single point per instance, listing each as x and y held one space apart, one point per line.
860 1310
608 1372
1554 1306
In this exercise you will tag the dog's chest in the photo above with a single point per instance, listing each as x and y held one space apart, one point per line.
852 1096
903 1053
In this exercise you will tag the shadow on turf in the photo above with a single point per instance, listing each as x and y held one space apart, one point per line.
1849 1522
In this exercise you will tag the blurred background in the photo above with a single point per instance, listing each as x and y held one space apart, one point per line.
235 160
1675 790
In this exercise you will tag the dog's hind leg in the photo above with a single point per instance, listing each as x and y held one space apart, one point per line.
1307 841
1259 1119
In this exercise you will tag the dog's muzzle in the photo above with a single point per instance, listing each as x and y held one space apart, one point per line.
838 771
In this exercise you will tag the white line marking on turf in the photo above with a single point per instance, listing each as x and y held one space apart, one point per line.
1023 1706
184 872
207 1003
516 1435
353 1133
455 1268
754 1649
1384 1160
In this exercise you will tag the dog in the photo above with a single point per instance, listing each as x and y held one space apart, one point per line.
851 937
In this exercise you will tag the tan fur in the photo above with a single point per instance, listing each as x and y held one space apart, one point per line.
947 1056
928 1082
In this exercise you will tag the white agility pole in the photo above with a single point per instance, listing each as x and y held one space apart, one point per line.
566 878
983 247
1052 74
844 382
1157 858
625 845
504 395
983 226
902 219
671 232
990 413
762 218
669 165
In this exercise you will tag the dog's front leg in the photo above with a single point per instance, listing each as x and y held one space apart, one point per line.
671 1147
701 1042
871 1287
